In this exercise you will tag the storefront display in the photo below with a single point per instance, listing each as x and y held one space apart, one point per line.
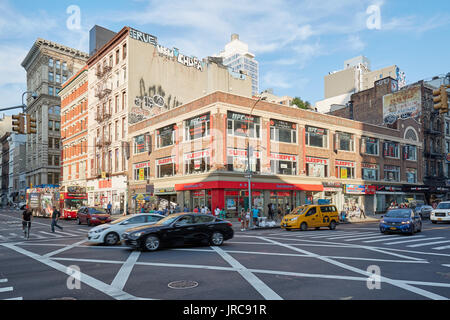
237 160
316 167
197 127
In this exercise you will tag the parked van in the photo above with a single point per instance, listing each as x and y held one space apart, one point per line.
311 216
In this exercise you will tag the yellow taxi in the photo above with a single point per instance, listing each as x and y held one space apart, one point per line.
311 216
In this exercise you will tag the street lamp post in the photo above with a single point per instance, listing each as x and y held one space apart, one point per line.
249 169
23 105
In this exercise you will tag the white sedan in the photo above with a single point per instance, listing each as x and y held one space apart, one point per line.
111 233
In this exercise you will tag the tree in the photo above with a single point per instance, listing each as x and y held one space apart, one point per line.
301 104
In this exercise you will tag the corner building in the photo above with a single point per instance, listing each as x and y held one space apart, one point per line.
133 78
196 155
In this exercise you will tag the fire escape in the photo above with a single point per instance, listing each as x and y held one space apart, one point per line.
103 167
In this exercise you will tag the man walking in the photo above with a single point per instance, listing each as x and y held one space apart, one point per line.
55 217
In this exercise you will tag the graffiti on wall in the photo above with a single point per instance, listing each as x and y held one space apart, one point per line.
181 58
153 100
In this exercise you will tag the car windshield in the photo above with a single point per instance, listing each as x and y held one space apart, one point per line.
298 211
398 214
97 211
74 204
167 220
443 205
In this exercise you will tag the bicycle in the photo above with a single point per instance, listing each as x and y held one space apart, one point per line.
26 229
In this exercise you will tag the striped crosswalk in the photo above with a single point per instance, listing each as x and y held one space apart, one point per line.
375 238
5 292
41 235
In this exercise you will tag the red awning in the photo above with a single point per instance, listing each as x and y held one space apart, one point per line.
244 185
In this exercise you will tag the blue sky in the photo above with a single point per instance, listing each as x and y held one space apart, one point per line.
296 42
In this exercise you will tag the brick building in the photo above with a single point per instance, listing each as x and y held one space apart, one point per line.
367 106
196 155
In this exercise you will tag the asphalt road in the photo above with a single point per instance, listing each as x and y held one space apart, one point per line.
353 262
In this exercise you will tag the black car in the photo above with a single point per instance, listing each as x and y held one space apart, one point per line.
178 230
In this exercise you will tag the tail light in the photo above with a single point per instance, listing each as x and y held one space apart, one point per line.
229 224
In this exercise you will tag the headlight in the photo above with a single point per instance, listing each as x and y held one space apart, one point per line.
381 221
294 219
93 218
135 235
406 222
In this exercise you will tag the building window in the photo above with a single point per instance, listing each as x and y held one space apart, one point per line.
58 78
117 56
345 141
345 169
316 137
316 167
165 167
237 160
50 143
197 162
64 66
56 141
282 131
124 129
116 160
410 153
370 172
391 149
369 146
197 127
50 62
283 164
124 51
50 77
50 91
124 100
165 136
411 175
392 173
50 160
241 124
141 171
140 145
57 125
50 125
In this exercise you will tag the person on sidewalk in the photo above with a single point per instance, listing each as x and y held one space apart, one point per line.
270 212
362 213
55 217
243 218
255 215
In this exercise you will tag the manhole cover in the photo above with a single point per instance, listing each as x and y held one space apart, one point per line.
183 284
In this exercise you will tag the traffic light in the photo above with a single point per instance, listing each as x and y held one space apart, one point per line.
440 99
19 123
31 125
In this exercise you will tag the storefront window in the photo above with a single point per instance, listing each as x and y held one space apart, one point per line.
282 131
283 164
369 146
391 173
345 141
239 124
141 171
165 167
411 175
237 160
345 169
391 149
316 167
369 171
197 127
141 144
197 162
166 136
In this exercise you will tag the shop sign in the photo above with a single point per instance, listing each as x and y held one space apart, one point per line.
344 173
284 157
369 166
318 131
198 193
165 190
340 163
389 188
329 189
282 124
142 165
242 117
280 194
316 160
197 155
165 161
141 174
355 189
447 157
371 189
332 184
104 184
241 153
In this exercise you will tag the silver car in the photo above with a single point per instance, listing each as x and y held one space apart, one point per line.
424 211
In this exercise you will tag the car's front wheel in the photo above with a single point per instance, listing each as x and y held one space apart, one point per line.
151 243
111 239
332 225
217 239
304 226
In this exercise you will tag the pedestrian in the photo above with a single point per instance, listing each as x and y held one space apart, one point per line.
270 211
223 214
55 217
243 219
362 213
288 209
255 215
186 209
279 212
108 208
196 209
217 212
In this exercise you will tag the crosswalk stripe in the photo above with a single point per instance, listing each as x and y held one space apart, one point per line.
354 236
414 240
3 238
17 298
67 234
427 244
376 240
47 233
7 289
349 234
14 235
79 231
441 248
3 280
374 237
